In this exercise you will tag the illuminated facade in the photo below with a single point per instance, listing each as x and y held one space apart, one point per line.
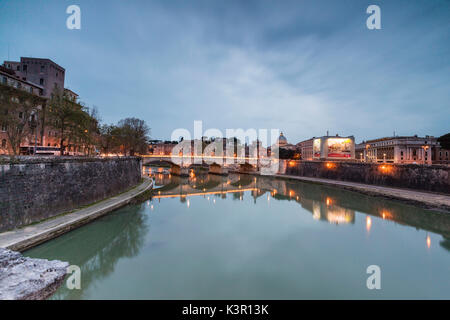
404 149
158 147
328 148
306 148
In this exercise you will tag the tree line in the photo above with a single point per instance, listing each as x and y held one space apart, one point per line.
74 125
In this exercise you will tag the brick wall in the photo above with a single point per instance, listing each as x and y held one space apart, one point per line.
33 189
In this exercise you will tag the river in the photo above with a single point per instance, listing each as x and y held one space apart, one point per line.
247 237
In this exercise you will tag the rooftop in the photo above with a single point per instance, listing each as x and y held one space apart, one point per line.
415 137
41 59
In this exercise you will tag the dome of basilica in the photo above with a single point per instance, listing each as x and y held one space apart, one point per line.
281 140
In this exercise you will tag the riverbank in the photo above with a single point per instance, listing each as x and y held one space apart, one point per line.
426 200
37 188
32 235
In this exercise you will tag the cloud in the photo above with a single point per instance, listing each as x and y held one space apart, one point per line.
304 67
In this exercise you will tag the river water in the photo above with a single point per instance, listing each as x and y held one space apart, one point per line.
246 237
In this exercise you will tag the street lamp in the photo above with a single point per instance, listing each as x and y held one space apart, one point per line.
425 149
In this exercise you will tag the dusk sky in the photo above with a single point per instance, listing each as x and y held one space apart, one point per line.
303 67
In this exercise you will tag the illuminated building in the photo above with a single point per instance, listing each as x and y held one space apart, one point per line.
328 147
404 149
158 147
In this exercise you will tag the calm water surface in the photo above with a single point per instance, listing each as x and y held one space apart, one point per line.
237 237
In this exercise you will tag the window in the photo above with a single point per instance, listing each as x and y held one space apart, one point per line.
42 68
20 115
31 89
25 67
5 80
4 143
41 81
18 68
4 127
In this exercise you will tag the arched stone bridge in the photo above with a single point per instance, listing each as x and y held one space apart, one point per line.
181 165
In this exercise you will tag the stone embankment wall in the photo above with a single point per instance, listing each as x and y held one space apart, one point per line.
434 178
33 189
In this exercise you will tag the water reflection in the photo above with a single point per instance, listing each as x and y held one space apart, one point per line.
368 223
328 204
98 247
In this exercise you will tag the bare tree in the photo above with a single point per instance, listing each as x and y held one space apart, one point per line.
134 135
76 125
19 115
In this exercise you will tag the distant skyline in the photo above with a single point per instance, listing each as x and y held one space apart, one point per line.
304 67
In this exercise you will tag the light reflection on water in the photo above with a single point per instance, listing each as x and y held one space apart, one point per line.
246 237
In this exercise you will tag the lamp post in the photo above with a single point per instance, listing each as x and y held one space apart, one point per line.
425 153
384 157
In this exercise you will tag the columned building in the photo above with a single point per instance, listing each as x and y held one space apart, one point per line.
398 149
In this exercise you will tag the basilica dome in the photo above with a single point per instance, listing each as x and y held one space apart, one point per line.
281 140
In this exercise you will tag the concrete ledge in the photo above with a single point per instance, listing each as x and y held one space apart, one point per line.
30 236
427 200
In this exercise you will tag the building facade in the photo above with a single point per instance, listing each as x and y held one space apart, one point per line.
43 72
399 149
441 156
9 78
159 147
40 77
306 148
328 148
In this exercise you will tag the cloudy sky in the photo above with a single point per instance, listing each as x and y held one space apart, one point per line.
303 67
